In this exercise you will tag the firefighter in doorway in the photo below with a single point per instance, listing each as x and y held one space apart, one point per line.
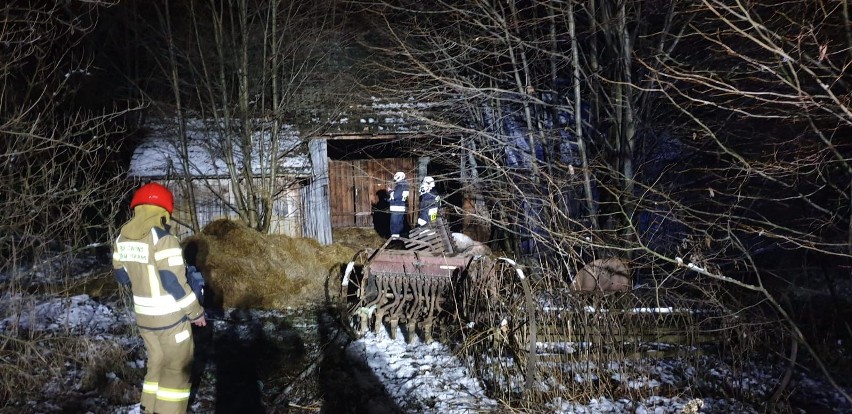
429 202
149 259
398 201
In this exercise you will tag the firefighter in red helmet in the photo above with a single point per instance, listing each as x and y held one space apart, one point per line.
149 259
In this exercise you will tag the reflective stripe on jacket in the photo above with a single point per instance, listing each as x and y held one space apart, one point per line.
428 207
156 271
399 198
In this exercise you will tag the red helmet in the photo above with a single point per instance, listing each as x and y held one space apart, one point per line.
156 194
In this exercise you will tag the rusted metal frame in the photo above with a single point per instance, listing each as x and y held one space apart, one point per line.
364 304
383 284
417 307
401 296
396 302
428 320
406 240
413 293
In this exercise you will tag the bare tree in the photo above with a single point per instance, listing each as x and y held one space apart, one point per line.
538 100
242 69
706 141
56 188
61 189
765 115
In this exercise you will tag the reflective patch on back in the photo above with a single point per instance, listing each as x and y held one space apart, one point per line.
132 252
175 261
181 336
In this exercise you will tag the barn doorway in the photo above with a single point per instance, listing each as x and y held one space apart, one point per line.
358 190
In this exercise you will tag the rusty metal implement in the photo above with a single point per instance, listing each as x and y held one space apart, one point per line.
410 285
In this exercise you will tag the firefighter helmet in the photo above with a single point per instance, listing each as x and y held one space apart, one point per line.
156 194
399 176
428 184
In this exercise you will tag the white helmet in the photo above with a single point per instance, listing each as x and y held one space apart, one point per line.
428 184
399 176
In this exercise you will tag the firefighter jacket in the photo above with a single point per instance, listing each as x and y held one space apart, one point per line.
149 259
399 198
428 208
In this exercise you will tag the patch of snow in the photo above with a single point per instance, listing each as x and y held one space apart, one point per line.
79 314
421 377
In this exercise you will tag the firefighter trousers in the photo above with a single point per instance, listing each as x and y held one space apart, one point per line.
397 223
167 380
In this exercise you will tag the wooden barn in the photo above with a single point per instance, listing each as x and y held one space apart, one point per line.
354 160
199 165
361 169
344 146
331 172
337 179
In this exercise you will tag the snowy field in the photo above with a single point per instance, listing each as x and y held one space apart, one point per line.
419 377
372 374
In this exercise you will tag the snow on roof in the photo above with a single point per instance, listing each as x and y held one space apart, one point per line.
378 116
158 155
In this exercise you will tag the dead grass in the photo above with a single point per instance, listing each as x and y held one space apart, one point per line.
29 365
19 372
107 370
247 269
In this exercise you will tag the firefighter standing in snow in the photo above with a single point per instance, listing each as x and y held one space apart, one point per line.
149 259
428 202
398 201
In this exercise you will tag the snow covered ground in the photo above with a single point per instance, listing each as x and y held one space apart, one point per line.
326 372
419 377
423 378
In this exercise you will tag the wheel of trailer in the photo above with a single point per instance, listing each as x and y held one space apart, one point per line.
495 305
352 292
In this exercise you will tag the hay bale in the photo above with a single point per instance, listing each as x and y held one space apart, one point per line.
358 238
248 269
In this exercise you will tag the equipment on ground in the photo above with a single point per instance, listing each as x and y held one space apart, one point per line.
413 281
512 327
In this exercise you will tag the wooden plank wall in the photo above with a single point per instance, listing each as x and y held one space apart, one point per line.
367 181
214 200
315 196
356 185
339 192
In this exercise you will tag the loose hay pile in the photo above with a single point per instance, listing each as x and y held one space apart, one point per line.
358 238
247 269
